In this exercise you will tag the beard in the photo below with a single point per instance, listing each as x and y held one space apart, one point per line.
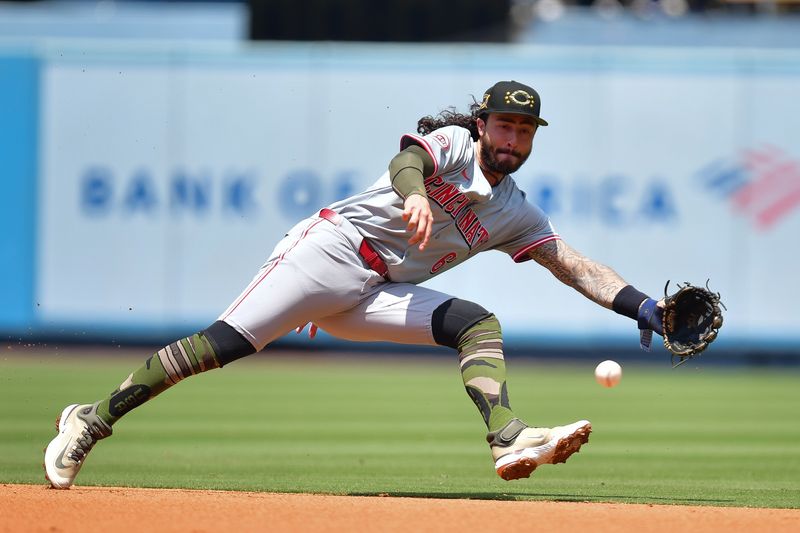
489 159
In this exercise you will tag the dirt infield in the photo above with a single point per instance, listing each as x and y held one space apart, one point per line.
87 509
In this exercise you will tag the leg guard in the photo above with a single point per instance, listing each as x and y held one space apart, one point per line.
228 344
451 319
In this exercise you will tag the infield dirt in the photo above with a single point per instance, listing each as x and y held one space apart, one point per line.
122 510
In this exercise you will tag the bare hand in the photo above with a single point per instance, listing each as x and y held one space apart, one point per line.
312 331
420 219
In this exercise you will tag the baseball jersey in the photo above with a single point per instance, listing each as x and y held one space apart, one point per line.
469 215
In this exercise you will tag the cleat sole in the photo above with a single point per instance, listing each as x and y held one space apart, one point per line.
44 450
571 444
518 470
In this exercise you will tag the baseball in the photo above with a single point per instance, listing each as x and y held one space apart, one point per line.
608 373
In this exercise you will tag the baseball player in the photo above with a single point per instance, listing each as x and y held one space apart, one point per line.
353 267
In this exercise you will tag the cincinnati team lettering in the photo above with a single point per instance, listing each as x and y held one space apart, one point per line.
455 203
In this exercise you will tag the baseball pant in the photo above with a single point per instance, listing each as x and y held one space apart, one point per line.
315 274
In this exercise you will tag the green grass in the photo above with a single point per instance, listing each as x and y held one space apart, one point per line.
695 435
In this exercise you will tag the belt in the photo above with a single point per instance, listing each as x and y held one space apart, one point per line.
365 249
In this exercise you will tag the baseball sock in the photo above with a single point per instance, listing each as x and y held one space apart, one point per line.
179 360
483 369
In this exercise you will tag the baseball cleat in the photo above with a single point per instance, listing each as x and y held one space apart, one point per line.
79 428
518 449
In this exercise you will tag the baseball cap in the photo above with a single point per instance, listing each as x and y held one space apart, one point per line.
512 97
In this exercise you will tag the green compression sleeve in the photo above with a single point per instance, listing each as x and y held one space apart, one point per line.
408 169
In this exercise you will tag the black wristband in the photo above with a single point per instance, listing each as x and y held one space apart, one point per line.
627 301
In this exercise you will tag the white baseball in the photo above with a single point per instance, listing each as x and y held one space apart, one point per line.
608 373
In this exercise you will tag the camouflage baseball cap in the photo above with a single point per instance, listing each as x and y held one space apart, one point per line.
512 97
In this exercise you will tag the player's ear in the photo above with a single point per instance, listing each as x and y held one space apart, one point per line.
481 126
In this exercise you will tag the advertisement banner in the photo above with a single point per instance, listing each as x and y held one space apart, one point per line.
165 184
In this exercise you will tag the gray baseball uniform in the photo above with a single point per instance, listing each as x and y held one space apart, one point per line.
318 272
351 270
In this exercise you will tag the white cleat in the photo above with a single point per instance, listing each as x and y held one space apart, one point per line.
79 428
518 449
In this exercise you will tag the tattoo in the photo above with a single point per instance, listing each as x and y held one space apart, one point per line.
597 282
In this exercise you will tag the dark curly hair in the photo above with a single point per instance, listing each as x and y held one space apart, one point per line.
451 117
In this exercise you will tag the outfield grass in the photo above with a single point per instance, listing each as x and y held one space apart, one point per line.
695 435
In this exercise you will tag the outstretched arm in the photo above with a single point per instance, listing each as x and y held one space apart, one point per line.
597 282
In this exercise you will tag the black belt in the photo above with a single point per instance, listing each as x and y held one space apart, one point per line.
365 250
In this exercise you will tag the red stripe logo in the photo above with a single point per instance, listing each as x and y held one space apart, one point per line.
762 184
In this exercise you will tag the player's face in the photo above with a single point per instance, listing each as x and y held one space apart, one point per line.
506 141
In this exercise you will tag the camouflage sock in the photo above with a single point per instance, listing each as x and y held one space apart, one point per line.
181 359
483 369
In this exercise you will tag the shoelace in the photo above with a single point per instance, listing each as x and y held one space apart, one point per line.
83 445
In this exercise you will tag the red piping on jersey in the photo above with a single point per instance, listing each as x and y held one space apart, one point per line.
255 283
517 257
422 142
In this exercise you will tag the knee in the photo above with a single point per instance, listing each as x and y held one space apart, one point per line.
228 344
453 318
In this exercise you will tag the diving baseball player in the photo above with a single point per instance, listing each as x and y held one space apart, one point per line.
352 269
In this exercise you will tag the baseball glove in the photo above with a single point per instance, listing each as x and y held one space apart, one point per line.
691 320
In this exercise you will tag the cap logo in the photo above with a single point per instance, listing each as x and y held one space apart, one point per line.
485 102
519 97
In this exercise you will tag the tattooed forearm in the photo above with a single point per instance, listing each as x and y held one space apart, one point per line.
597 282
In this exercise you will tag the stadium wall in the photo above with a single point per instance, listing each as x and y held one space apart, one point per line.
144 185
